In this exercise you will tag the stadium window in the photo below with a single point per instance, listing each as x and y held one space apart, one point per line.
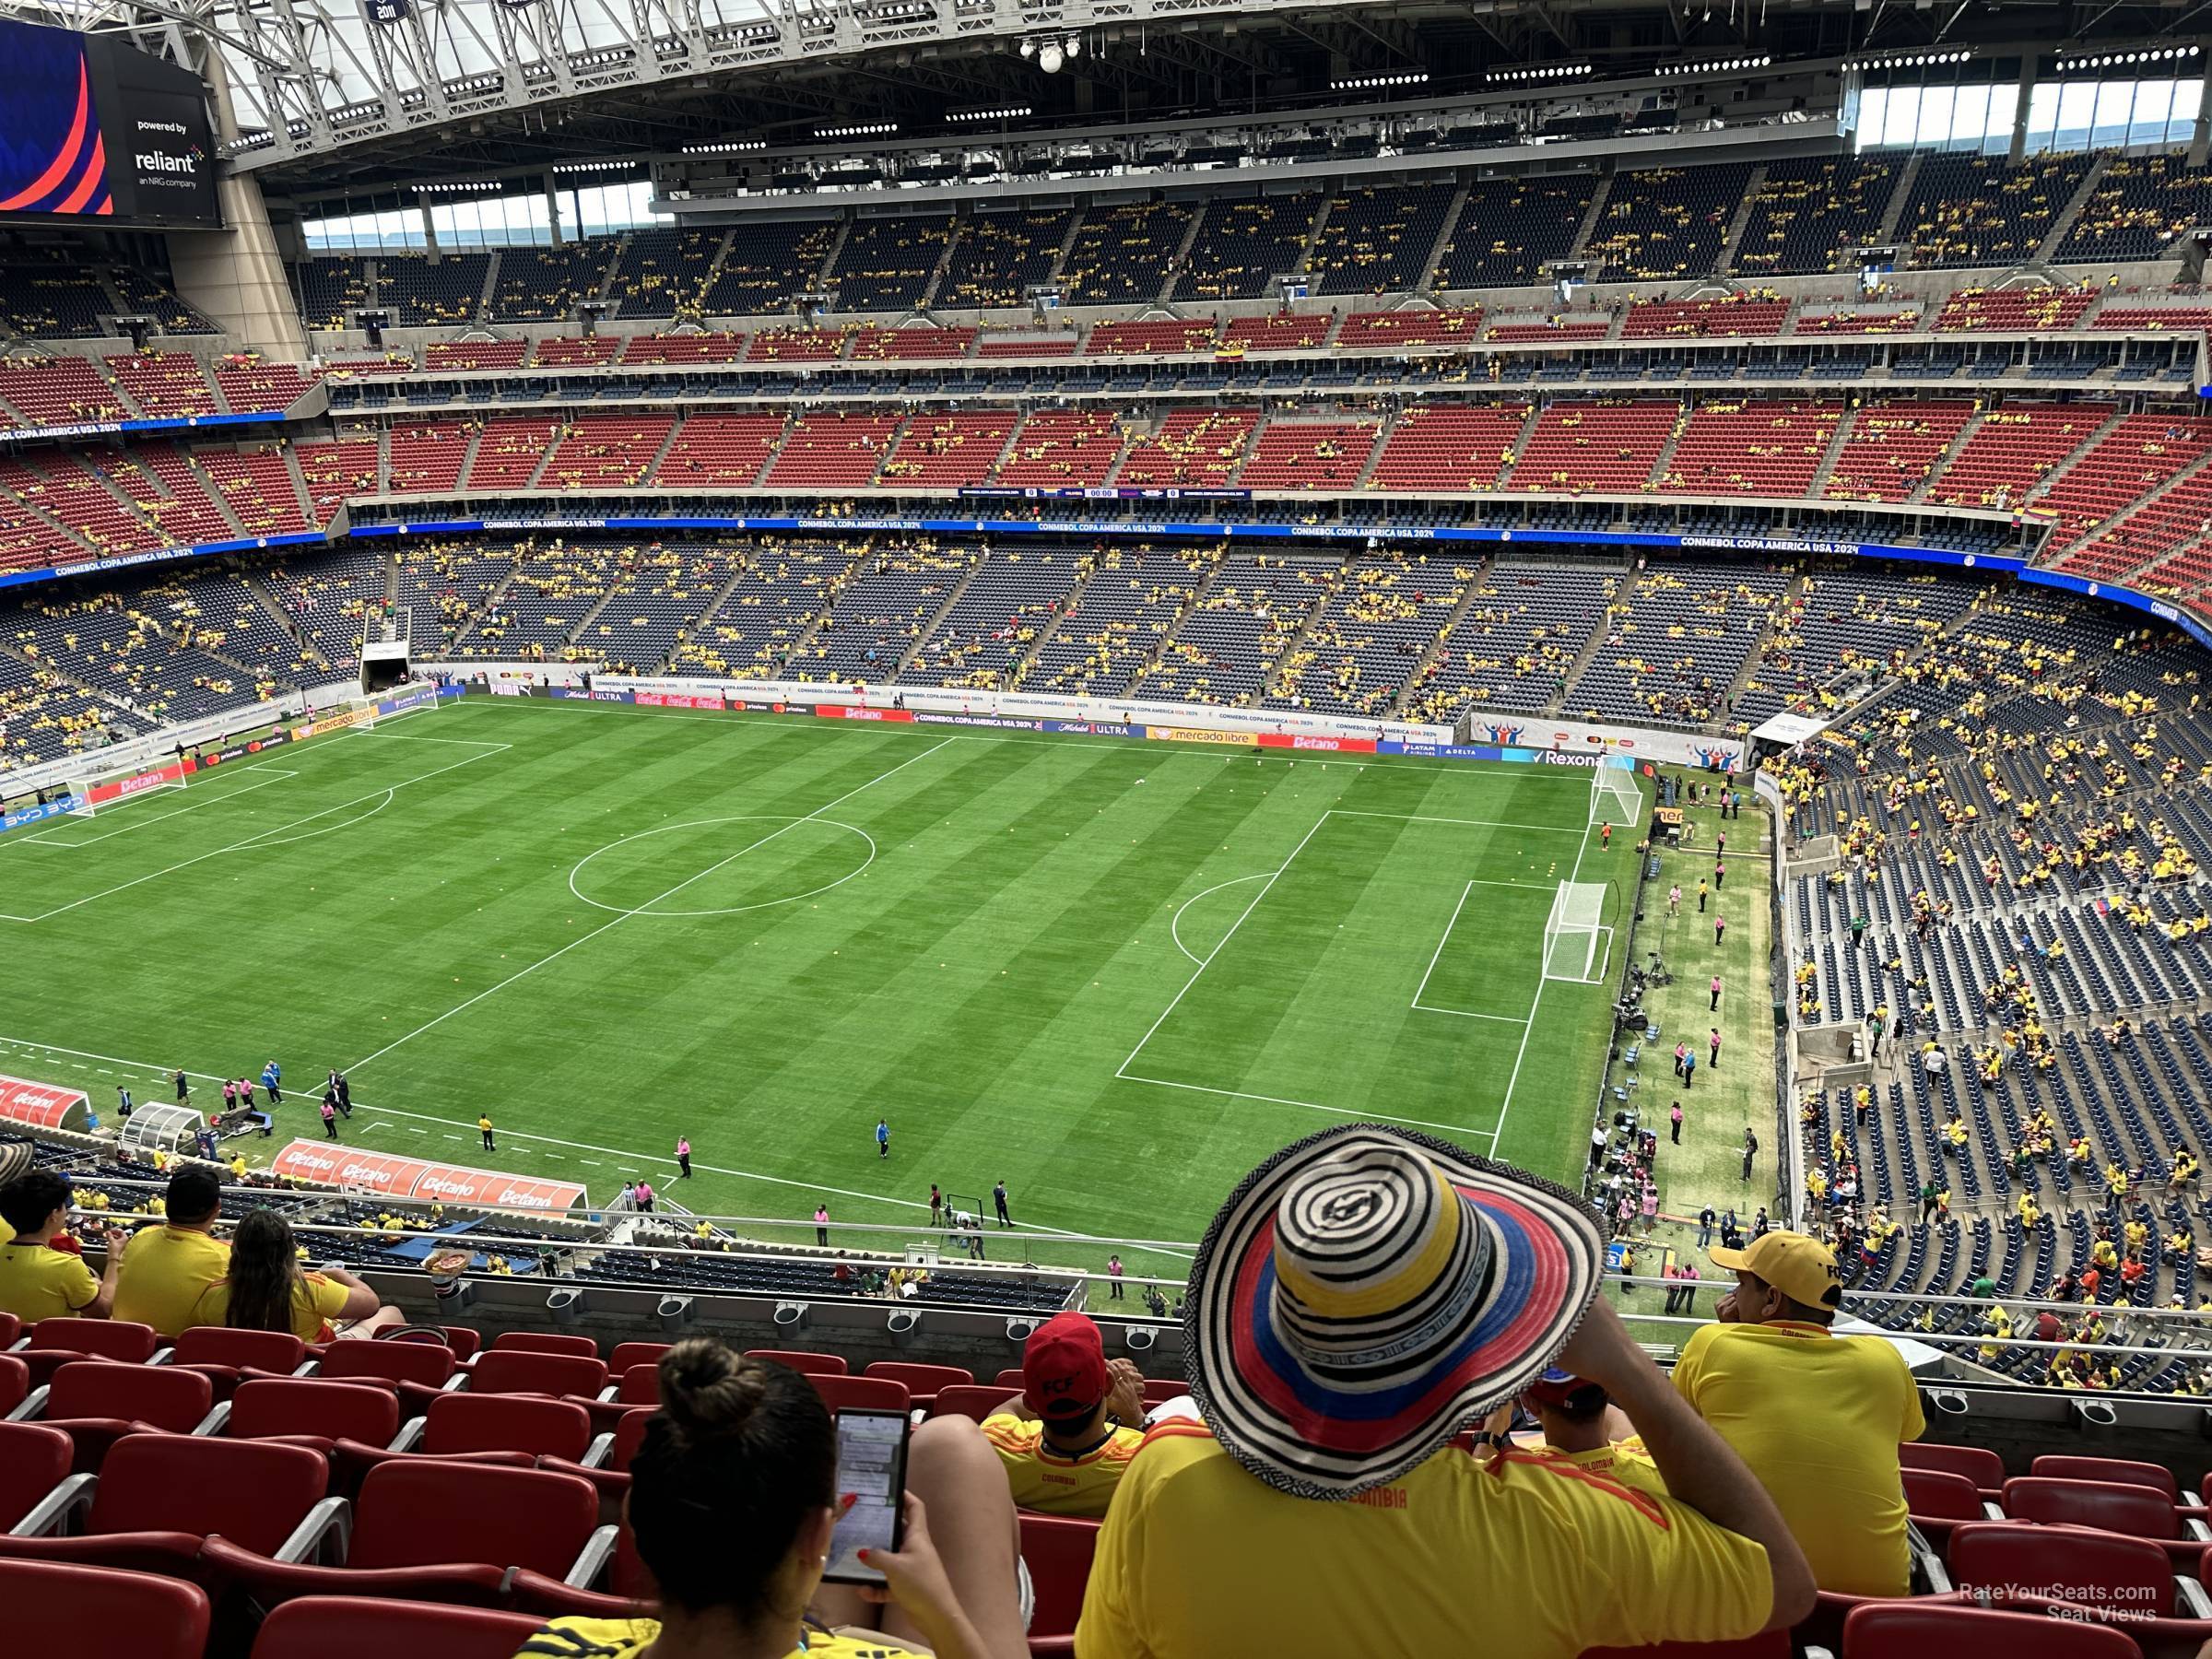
364 233
607 209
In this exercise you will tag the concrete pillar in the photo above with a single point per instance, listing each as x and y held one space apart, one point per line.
2017 150
553 209
2200 135
234 277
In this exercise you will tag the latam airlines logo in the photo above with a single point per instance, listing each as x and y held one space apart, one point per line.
1504 734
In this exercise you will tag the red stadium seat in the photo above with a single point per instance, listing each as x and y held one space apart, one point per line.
978 1401
2117 1470
99 1404
629 1586
1010 1379
1914 1628
160 1496
11 1327
276 1351
474 1422
519 1370
641 1386
2134 1510
360 1627
1159 1391
1936 1495
464 1342
420 1366
15 1383
34 1459
607 1415
308 1409
1982 1466
922 1381
627 1354
544 1342
58 1608
55 1343
612 1479
861 1393
2090 1568
1058 1549
415 1516
1771 1644
818 1365
109 1338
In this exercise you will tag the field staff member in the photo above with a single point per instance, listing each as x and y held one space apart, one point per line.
1817 1416
1363 1296
167 1269
1068 1438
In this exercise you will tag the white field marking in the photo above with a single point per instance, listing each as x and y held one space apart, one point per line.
1177 917
1238 1094
412 737
1534 887
734 910
634 1159
260 845
1123 1069
1466 1012
618 920
1439 954
1506 1105
1417 818
252 840
276 775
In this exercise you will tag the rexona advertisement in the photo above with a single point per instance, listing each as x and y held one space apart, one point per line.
91 128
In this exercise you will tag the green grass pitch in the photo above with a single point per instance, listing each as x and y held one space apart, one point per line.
1114 975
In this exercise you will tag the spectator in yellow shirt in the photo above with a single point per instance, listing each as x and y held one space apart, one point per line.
1816 1416
37 1281
1361 1296
167 1269
264 1290
1068 1438
1579 1424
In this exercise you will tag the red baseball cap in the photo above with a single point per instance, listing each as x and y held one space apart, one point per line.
1064 1367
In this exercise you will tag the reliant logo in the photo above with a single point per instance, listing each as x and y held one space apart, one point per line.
156 161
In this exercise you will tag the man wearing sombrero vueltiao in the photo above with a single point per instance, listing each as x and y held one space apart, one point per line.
1362 1297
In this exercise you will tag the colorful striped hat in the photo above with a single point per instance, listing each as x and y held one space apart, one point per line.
1367 1292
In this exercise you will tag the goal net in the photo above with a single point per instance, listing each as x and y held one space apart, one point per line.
1614 795
104 792
1577 943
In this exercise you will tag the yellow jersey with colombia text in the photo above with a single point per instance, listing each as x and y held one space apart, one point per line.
627 1638
1051 1481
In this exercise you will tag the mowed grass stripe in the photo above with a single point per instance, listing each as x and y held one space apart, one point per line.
1040 873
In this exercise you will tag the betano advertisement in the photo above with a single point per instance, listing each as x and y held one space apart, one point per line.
394 1177
42 1105
91 128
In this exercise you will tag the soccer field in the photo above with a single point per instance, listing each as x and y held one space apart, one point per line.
1114 975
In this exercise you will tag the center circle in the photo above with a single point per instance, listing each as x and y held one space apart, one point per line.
754 861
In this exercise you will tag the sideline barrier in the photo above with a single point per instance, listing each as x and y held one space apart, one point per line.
45 1105
389 1176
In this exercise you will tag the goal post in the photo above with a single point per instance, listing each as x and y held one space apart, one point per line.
103 791
1615 796
1577 942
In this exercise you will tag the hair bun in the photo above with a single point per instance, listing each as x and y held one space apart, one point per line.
706 1387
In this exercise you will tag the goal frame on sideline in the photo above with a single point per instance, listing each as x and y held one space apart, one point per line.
1586 899
159 776
1612 785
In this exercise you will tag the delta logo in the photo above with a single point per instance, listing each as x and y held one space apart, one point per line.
1504 734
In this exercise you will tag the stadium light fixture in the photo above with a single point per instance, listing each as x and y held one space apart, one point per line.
1542 72
592 167
1049 57
1735 65
874 129
1004 112
1075 47
727 147
1368 83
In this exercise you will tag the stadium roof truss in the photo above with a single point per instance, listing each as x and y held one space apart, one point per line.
315 76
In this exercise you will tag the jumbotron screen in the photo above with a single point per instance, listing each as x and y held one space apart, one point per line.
90 128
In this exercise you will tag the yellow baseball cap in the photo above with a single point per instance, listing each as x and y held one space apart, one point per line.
1802 1268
